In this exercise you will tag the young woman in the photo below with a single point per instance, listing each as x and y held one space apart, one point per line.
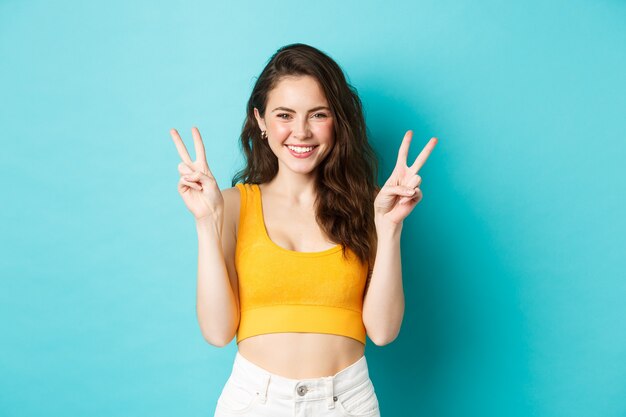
300 259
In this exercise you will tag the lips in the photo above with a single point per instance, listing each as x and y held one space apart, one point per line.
303 154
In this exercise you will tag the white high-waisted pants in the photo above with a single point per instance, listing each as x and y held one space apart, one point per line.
253 391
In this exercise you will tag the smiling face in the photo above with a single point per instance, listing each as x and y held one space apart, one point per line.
297 113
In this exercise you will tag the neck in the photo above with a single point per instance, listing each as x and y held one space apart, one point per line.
296 188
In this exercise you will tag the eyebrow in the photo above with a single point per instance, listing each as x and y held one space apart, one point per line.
293 111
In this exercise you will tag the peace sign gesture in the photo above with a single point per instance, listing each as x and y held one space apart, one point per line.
400 193
197 186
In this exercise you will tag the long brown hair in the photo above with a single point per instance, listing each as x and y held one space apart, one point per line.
346 181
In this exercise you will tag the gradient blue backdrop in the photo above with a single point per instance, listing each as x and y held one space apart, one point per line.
513 262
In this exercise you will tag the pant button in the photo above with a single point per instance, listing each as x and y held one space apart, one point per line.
302 390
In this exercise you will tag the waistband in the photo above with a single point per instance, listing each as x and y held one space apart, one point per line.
328 387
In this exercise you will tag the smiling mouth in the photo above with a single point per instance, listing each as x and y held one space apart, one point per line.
296 148
300 153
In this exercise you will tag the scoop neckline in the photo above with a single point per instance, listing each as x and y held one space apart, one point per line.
333 249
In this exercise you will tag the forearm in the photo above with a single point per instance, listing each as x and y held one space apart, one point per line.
216 305
383 306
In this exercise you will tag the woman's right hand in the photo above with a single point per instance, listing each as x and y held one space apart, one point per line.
196 185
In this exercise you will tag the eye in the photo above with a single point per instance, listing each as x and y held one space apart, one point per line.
280 115
323 115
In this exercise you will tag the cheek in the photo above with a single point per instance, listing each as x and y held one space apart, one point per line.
280 130
325 130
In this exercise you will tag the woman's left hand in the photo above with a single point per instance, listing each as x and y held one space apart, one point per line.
401 193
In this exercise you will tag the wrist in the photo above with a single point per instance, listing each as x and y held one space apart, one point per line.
386 227
209 224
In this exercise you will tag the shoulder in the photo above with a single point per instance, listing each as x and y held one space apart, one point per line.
232 199
232 203
231 193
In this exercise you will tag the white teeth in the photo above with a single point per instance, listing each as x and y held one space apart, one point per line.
300 149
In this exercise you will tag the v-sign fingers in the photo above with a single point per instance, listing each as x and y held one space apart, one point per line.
180 146
403 153
197 140
200 155
423 156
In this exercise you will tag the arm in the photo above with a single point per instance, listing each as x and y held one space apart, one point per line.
217 302
383 306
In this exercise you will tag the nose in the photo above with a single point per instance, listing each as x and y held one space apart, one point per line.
301 129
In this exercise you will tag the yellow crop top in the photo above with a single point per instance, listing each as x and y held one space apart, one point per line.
281 290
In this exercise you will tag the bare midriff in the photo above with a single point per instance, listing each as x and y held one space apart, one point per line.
301 355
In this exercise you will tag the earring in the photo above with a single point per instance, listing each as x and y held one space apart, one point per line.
263 134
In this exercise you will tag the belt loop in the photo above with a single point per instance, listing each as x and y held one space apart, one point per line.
330 395
263 389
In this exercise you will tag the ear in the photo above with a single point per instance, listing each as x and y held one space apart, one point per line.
259 119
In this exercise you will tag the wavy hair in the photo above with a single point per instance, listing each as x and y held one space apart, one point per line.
346 184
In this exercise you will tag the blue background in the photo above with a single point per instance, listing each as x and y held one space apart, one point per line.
513 263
